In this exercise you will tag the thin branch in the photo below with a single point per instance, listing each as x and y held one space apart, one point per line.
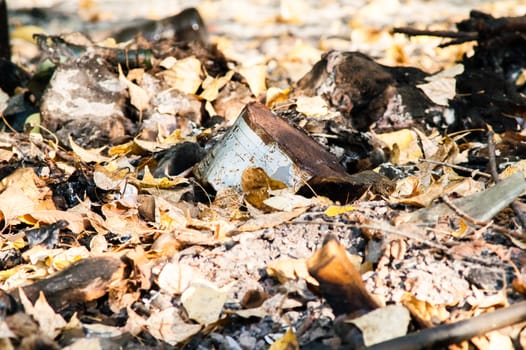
456 332
521 216
474 172
440 33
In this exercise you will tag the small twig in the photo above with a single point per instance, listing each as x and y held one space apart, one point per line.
476 222
456 332
440 33
492 157
495 174
474 172
461 213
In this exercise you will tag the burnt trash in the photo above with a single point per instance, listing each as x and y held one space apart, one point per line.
73 190
265 140
46 235
491 88
94 115
177 159
368 94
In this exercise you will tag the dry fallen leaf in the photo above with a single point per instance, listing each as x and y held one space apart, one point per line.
287 201
270 220
256 185
175 278
425 311
255 75
287 342
164 182
211 86
184 75
335 210
286 269
88 156
383 324
51 323
168 326
406 142
139 97
203 301
441 86
315 106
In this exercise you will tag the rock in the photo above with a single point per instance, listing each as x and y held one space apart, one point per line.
85 99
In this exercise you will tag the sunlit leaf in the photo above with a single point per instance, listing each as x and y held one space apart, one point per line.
164 182
212 86
312 106
335 210
203 301
383 324
256 77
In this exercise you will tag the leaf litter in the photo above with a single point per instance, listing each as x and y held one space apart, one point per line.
108 207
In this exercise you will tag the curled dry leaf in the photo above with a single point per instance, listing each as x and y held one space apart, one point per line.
75 221
139 97
164 182
426 313
51 323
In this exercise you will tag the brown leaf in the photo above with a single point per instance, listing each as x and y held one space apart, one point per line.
256 184
340 282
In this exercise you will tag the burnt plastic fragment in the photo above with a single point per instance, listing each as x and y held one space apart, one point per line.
178 159
69 193
46 235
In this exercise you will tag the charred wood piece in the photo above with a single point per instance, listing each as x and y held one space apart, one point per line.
186 26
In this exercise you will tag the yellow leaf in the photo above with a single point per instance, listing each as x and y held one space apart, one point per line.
129 147
423 310
462 230
287 342
149 181
335 210
289 269
407 143
256 184
276 95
